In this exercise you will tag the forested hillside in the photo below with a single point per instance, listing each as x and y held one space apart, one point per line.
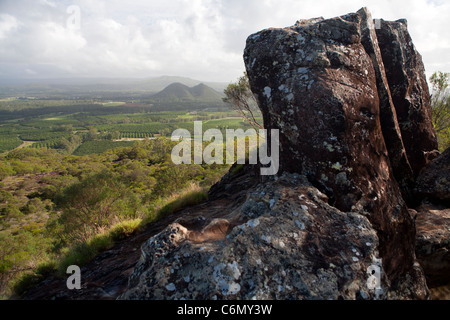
58 209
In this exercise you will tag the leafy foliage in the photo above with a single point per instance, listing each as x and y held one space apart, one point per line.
9 142
240 97
39 135
58 209
94 204
100 146
440 106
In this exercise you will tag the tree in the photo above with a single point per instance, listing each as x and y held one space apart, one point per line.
440 108
92 134
239 96
166 132
63 128
115 135
70 144
5 170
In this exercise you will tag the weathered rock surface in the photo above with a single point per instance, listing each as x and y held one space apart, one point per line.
433 220
315 82
434 180
287 243
433 243
407 81
388 116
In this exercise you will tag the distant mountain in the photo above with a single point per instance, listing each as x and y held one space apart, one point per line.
205 92
82 86
179 92
159 83
175 91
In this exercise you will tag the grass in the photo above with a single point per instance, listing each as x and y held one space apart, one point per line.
124 229
8 99
113 104
187 116
192 195
58 118
29 280
82 253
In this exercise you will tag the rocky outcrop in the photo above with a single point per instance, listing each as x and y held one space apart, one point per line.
433 220
333 223
315 82
287 243
434 180
433 243
388 116
407 81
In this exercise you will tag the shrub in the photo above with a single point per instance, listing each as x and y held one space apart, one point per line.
83 252
125 229
190 196
94 204
440 107
5 170
29 280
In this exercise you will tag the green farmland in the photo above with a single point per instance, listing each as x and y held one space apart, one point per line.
87 127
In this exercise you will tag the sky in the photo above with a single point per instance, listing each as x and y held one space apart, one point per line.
201 39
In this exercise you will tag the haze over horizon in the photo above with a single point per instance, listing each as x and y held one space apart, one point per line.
199 39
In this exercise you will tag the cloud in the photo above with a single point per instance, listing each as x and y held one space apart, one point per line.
202 39
8 23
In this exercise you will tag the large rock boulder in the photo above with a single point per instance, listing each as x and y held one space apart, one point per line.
316 83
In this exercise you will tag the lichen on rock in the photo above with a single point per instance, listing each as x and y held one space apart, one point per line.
304 256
